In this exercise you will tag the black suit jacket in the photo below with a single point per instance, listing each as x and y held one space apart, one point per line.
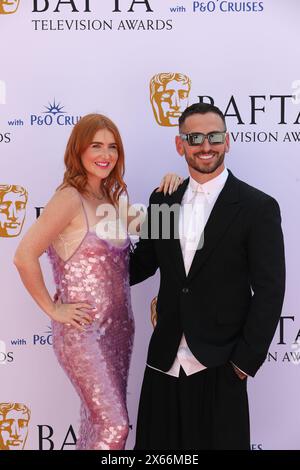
229 304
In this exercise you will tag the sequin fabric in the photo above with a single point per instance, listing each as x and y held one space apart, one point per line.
97 360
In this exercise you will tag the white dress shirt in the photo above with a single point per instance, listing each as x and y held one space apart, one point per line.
196 206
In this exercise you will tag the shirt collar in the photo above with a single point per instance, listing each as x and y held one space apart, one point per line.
211 188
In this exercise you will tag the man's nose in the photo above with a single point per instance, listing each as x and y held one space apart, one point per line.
205 146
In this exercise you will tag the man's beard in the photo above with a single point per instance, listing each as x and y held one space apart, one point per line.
205 169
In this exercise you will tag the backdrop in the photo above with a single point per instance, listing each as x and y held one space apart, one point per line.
141 63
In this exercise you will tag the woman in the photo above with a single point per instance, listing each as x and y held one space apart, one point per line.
91 313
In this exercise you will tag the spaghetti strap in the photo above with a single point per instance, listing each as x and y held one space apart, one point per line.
84 211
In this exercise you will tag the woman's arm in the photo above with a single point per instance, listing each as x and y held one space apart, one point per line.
57 215
136 214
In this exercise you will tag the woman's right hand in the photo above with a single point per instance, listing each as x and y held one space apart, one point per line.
73 314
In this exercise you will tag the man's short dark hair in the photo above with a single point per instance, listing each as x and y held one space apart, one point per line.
200 108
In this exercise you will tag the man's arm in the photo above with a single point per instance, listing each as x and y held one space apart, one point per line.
267 277
143 260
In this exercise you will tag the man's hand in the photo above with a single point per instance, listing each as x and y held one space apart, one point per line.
154 312
239 373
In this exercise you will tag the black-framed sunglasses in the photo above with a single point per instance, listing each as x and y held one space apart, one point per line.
197 138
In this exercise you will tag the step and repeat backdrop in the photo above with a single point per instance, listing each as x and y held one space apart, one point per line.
141 63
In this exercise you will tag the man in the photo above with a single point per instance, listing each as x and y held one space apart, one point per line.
14 420
220 297
169 93
13 200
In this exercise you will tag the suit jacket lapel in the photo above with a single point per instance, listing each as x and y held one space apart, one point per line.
222 215
176 251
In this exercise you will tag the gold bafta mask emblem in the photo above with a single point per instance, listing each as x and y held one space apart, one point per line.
13 200
8 6
169 94
14 421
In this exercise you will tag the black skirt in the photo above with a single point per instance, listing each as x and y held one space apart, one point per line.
204 411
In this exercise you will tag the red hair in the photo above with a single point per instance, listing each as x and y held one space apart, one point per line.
81 137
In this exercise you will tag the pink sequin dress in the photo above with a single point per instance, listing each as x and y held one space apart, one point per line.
97 360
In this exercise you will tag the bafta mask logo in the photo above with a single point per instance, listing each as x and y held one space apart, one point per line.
8 6
169 93
2 92
14 421
13 200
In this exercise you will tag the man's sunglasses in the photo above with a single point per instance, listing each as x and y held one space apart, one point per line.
197 138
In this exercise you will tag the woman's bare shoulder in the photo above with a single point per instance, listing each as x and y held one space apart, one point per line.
65 200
